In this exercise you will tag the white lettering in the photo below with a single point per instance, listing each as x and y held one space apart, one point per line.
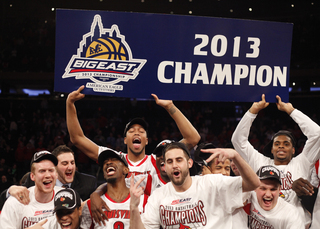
221 74
260 75
201 74
179 71
241 72
161 71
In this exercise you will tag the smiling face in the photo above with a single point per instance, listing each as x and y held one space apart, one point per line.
44 175
69 219
66 167
114 169
282 150
136 139
177 166
268 193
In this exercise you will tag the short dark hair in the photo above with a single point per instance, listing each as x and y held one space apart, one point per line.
62 149
177 145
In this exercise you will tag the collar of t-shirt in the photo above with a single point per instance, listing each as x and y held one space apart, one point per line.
59 184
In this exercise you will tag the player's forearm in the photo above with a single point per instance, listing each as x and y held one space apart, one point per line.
77 136
250 180
190 135
73 124
102 189
239 137
135 218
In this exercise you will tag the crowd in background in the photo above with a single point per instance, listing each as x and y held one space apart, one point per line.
28 126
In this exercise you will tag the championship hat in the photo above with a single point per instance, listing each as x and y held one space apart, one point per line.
66 199
139 121
111 153
268 147
269 172
44 155
159 148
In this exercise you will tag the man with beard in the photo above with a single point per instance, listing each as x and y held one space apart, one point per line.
280 151
197 201
115 169
43 172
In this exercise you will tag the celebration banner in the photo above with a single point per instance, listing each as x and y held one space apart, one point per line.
176 57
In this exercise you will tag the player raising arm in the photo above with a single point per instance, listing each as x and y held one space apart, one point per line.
199 201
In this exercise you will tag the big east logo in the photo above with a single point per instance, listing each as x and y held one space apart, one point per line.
105 58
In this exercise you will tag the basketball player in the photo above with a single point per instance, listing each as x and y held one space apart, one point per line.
43 172
197 201
115 169
265 209
281 148
135 137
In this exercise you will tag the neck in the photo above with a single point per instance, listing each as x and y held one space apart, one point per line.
118 191
277 162
134 157
185 186
43 197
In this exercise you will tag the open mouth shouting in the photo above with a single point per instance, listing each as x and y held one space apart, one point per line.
68 174
176 174
267 201
47 183
136 142
111 171
66 225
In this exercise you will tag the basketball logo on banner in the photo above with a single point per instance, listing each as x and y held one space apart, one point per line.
105 58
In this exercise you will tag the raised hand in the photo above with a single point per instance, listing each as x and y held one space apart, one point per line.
258 106
286 107
76 95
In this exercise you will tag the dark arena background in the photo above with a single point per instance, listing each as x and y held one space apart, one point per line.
32 115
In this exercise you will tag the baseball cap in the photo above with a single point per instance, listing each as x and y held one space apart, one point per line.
66 199
159 148
111 153
268 147
44 155
139 121
269 172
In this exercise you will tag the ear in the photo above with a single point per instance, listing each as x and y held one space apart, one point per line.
80 210
125 170
147 141
293 150
32 176
190 163
125 140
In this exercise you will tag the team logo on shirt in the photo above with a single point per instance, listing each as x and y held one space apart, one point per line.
286 185
105 58
184 227
180 201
